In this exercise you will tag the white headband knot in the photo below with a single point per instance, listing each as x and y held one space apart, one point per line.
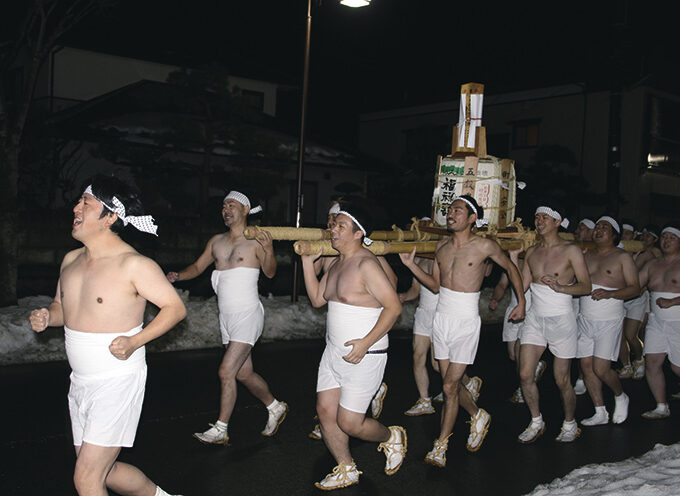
367 241
335 209
554 214
144 223
588 223
479 222
243 200
612 222
672 230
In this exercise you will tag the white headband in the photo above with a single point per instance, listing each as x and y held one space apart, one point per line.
367 240
612 222
479 222
144 223
243 200
672 230
335 208
554 214
588 223
645 230
627 227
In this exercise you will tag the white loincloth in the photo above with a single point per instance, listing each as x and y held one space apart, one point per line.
346 322
605 309
547 302
241 312
551 322
455 334
662 334
511 329
106 394
424 316
636 308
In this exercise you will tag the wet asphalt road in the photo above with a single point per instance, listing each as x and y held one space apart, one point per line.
182 392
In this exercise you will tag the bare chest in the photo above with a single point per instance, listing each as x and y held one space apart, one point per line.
665 277
229 254
605 270
461 268
550 262
345 284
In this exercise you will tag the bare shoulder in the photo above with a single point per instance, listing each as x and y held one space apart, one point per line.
72 255
487 245
572 249
369 261
135 261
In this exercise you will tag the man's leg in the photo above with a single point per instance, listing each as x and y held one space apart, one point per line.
593 382
655 376
234 358
360 426
452 383
529 356
97 468
253 381
337 441
561 370
421 345
603 370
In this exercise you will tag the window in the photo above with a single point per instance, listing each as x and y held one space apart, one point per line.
525 134
254 99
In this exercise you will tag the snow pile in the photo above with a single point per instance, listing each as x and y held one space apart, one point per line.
656 473
200 329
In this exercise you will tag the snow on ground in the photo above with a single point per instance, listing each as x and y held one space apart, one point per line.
656 473
200 329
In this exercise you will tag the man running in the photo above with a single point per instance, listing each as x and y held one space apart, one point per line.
614 278
101 295
550 267
238 262
661 276
636 312
457 274
362 307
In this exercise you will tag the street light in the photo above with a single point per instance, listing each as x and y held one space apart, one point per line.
303 114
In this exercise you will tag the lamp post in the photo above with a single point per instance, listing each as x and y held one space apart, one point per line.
303 114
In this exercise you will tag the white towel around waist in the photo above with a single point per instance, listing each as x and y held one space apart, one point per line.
671 313
545 302
90 358
607 309
463 305
346 322
236 288
428 299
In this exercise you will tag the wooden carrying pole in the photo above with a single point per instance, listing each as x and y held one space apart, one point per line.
289 233
377 247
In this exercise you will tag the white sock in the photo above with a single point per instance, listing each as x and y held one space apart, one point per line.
273 405
600 409
571 423
221 426
160 492
536 420
662 406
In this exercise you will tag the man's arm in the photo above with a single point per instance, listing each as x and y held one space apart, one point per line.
499 256
391 276
150 283
499 291
196 268
315 288
412 292
265 253
52 316
431 281
630 277
381 289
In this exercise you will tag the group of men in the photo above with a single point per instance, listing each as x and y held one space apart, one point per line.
104 286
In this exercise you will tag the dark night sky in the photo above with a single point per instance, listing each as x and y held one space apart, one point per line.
398 52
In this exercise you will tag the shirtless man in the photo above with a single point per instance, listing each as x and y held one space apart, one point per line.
628 232
512 330
550 268
237 268
362 307
584 232
636 312
457 274
661 276
614 278
321 265
101 295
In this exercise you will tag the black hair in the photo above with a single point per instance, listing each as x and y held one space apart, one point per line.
673 223
105 188
361 215
480 210
652 228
